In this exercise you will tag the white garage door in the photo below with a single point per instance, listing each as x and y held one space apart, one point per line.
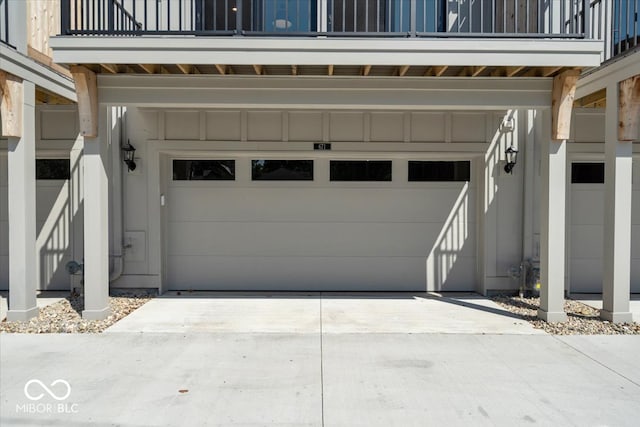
586 232
52 224
319 224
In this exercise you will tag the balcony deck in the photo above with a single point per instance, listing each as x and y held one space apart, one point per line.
404 38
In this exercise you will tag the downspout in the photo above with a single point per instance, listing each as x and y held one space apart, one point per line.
116 199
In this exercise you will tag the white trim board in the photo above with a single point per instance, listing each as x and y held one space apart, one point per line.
323 51
336 93
42 76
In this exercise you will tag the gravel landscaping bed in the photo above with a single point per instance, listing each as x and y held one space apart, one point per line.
582 319
65 316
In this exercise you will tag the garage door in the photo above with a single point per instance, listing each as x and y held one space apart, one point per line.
307 224
586 232
52 224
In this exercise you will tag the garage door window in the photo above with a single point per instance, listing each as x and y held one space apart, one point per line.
429 171
53 169
587 173
282 170
360 170
204 170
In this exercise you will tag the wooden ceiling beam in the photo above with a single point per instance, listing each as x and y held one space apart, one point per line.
294 70
512 71
222 69
475 71
440 70
330 70
112 68
149 68
258 69
184 68
549 71
402 70
366 70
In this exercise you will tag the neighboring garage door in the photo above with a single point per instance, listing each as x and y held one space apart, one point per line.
252 223
586 228
52 224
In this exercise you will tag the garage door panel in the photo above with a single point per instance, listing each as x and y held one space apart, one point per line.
314 204
4 272
587 207
315 273
586 275
317 239
587 241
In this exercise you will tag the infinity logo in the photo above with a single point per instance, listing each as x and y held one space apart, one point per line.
47 389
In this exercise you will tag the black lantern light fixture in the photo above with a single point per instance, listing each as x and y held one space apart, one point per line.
129 153
511 155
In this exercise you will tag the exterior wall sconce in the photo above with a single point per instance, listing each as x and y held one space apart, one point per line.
129 153
511 154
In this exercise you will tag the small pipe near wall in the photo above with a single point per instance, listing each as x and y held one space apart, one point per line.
118 122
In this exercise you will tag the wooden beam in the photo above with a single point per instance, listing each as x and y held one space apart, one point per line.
403 70
440 70
595 98
366 70
195 69
46 60
184 68
11 105
548 71
629 109
475 71
564 90
148 68
87 91
330 70
257 69
294 70
112 68
512 71
222 69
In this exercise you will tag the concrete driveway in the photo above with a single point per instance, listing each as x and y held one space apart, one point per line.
323 312
271 360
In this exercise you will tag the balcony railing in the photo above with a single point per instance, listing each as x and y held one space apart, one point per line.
4 22
360 18
616 23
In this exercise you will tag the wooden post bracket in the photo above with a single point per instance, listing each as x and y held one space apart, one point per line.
87 91
564 90
11 105
629 109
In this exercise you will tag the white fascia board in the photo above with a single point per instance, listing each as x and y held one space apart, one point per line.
200 91
613 72
323 51
31 70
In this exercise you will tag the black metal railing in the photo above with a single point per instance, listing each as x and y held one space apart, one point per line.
406 18
616 23
4 23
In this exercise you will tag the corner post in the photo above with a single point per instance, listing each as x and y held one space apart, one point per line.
96 198
18 124
621 129
554 198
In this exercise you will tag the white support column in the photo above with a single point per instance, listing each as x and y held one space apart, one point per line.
552 227
96 229
617 217
22 211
